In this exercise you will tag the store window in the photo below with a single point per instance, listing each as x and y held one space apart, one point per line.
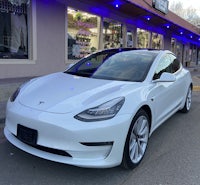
82 33
14 19
112 34
179 51
142 38
187 53
129 39
157 41
198 56
173 45
194 54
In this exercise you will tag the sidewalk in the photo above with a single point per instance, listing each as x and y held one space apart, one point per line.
8 86
195 73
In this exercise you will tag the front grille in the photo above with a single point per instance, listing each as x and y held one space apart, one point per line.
53 151
49 150
108 143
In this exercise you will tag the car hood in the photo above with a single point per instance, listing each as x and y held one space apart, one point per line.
64 93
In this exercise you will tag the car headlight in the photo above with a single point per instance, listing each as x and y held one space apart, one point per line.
102 112
14 95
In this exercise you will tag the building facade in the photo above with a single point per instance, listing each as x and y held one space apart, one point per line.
38 37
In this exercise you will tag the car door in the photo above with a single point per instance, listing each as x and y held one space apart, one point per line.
165 95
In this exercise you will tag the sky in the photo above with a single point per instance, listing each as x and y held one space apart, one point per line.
188 3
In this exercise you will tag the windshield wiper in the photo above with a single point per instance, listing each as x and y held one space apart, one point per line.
79 74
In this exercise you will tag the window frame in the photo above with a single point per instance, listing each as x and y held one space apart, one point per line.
169 68
82 10
32 39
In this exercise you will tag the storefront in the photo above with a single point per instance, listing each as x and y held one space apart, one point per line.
89 32
39 37
111 31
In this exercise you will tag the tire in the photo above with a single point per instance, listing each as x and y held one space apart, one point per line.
136 141
188 101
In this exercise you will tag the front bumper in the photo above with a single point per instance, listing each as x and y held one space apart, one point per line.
94 144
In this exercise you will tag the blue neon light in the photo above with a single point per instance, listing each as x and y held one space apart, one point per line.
148 18
102 11
117 3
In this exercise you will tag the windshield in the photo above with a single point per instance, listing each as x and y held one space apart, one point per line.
131 65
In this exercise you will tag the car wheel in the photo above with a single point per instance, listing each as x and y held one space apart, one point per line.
136 141
188 101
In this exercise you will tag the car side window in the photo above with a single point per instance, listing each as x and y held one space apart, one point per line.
169 64
176 65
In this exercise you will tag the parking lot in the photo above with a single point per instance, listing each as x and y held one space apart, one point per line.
172 158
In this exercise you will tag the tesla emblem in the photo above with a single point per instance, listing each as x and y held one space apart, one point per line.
41 102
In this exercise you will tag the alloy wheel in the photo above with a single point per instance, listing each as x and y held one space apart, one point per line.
139 139
189 99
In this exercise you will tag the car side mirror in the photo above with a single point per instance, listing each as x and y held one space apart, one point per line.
166 77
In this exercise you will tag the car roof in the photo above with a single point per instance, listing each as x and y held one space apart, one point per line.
132 49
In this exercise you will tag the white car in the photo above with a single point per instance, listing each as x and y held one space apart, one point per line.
100 112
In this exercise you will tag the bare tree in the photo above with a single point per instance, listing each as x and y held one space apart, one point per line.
192 16
189 14
177 8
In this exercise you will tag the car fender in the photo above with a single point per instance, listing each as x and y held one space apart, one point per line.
137 100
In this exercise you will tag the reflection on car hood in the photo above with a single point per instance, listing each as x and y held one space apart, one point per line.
64 93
